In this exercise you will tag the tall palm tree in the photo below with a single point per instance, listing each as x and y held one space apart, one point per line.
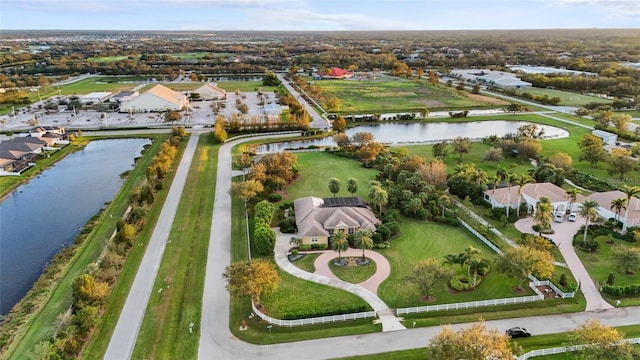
334 186
452 259
522 180
618 204
543 214
589 213
379 197
363 240
572 195
339 242
629 191
510 178
470 256
352 186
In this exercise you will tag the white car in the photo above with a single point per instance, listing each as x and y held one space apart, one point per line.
558 217
573 217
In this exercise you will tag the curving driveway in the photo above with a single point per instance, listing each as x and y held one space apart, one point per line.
383 269
563 238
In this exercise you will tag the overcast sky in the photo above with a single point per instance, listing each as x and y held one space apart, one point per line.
317 14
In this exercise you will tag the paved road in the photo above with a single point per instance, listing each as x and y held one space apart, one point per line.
217 342
126 332
317 120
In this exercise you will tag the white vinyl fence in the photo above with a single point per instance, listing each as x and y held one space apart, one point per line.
560 350
313 321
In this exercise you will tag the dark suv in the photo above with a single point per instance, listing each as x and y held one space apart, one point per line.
516 332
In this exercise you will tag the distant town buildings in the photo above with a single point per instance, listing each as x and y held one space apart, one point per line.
500 79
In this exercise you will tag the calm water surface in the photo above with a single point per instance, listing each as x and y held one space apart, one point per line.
422 133
42 216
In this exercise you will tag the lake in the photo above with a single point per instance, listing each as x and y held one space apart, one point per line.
44 215
422 133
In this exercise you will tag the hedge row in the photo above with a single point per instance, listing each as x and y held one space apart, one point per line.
312 313
623 290
313 246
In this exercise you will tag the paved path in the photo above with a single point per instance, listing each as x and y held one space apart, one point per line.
317 121
126 331
383 269
563 237
323 275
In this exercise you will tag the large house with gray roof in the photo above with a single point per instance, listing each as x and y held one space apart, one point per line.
317 219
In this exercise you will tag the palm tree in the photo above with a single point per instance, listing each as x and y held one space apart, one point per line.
363 240
469 255
510 178
589 213
452 259
334 186
379 197
339 242
444 201
352 186
522 180
572 195
618 204
543 214
629 191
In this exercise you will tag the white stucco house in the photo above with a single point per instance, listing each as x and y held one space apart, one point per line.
158 98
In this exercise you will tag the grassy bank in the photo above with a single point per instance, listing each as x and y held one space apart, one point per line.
182 271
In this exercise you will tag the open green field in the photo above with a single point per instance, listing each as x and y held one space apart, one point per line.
316 168
41 326
601 263
420 241
186 86
566 98
389 94
182 271
105 59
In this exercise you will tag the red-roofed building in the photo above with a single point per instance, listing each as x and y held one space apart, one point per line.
337 73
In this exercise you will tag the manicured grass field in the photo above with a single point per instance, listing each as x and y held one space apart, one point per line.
566 98
316 168
182 271
601 263
41 326
104 59
389 94
422 240
353 274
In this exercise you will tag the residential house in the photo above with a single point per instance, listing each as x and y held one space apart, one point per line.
531 194
158 98
317 219
19 153
629 217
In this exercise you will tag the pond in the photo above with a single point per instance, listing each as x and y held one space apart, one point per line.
422 133
44 215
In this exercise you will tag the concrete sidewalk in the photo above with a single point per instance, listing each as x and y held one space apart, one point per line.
389 322
563 238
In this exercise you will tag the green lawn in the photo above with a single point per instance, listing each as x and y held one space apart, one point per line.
182 271
353 274
388 94
316 168
423 240
566 98
601 263
104 59
40 326
307 262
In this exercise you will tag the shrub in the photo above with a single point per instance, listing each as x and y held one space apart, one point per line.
463 282
493 154
288 225
447 220
622 290
265 240
312 312
275 198
304 247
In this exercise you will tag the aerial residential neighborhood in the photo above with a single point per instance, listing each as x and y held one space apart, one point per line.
282 181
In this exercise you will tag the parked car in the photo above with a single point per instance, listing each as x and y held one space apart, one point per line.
573 217
516 332
558 217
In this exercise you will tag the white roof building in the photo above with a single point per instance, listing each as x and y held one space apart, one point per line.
158 98
496 78
94 97
210 92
